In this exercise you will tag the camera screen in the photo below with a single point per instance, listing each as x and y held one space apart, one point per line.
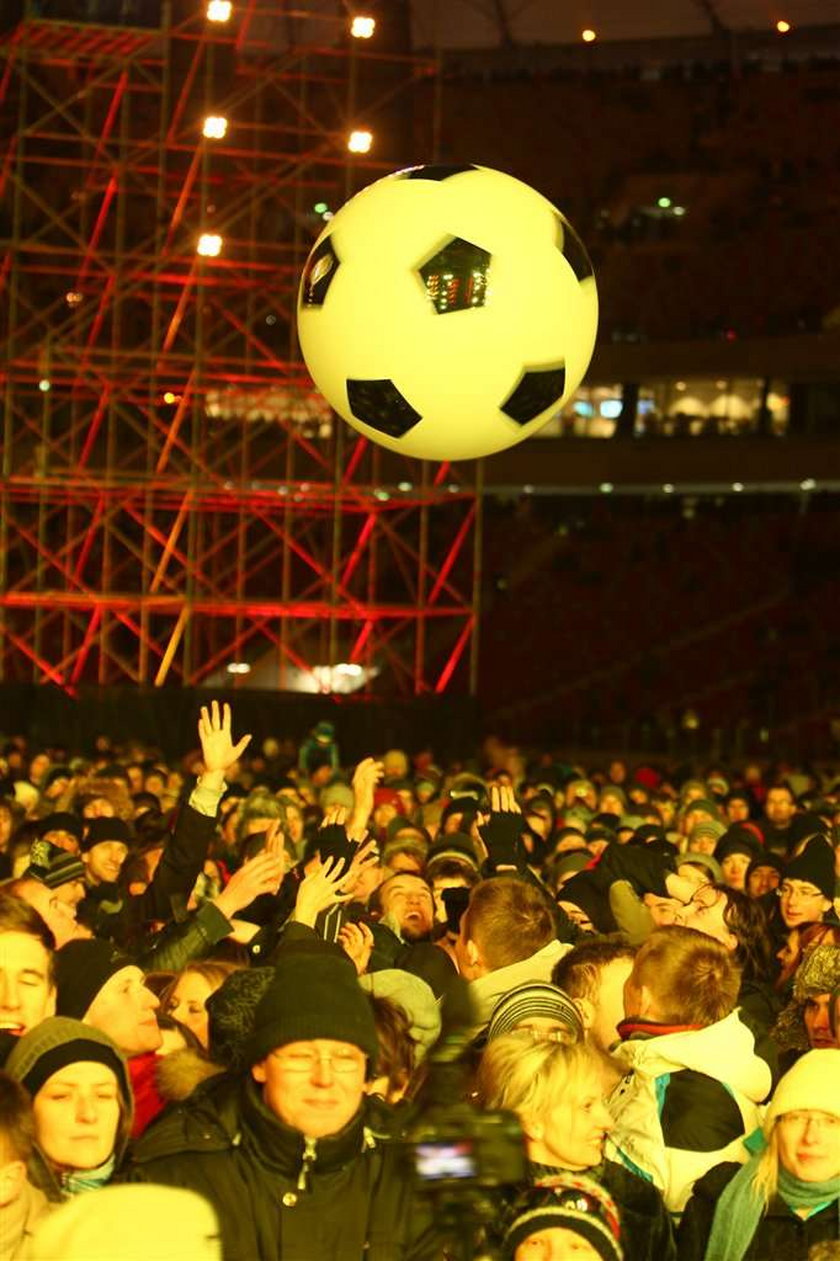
445 1160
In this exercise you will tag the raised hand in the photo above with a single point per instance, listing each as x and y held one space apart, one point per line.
218 752
365 778
320 889
501 830
275 841
357 941
365 857
261 875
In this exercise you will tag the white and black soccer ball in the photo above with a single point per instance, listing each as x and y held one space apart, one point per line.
447 312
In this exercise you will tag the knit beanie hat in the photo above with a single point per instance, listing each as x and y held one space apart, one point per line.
702 860
454 845
134 1222
388 797
231 1011
54 774
818 973
574 1203
395 764
337 794
99 830
415 997
582 891
62 821
706 831
736 840
706 804
766 858
314 993
812 1084
81 969
59 1041
815 865
535 998
52 865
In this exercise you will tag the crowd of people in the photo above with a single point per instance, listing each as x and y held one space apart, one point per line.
257 1006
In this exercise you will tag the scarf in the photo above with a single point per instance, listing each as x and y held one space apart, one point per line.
741 1208
538 1172
79 1180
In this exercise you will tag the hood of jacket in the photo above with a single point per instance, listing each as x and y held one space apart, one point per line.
487 990
724 1051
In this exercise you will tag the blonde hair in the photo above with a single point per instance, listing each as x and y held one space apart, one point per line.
767 1174
525 1073
693 978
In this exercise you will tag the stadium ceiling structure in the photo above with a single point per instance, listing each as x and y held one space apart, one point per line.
473 24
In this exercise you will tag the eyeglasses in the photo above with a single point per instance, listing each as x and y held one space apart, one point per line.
813 1117
306 1059
706 897
803 895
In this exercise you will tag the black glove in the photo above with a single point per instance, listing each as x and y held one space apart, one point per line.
643 868
502 834
334 843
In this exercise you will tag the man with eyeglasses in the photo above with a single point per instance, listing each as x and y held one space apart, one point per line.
806 893
291 1152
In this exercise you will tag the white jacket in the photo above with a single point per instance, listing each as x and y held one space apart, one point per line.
686 1101
487 990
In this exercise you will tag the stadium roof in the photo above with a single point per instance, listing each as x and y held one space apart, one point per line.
468 24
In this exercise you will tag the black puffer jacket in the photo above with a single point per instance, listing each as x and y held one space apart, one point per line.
781 1235
279 1198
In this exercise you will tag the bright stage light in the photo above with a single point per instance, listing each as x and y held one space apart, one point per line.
215 127
588 36
783 26
219 10
362 27
238 667
360 141
209 244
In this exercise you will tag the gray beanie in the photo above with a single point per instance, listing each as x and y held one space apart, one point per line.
416 998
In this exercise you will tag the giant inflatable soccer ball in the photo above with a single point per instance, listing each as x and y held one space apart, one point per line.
447 312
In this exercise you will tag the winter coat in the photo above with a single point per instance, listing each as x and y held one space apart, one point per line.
685 1102
19 1219
781 1235
487 990
280 1197
122 918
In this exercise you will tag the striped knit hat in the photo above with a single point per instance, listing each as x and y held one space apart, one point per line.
571 1202
535 999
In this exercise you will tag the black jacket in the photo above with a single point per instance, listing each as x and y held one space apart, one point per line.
123 918
278 1198
781 1235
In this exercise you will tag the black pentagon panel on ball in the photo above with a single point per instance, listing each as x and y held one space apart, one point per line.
381 405
436 171
456 276
319 273
538 388
573 250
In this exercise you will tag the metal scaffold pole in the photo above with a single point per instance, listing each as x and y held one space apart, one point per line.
176 497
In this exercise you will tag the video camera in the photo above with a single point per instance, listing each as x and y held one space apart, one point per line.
462 1155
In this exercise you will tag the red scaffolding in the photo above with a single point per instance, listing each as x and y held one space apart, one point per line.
176 498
